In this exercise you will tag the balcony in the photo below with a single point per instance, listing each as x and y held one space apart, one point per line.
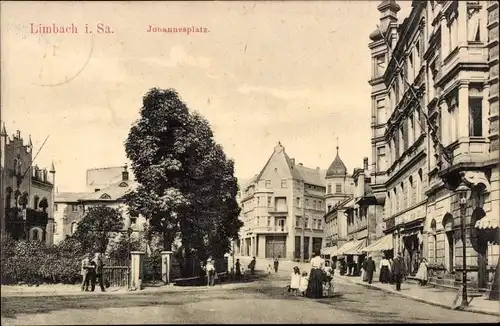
278 209
29 216
270 229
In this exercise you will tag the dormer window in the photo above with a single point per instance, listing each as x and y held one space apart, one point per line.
123 185
105 196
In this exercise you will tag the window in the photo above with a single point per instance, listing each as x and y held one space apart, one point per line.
381 111
379 65
36 202
404 136
269 221
380 159
269 200
473 25
283 183
56 208
319 224
54 228
396 147
338 188
74 208
475 117
315 204
298 202
306 224
329 207
268 183
329 189
297 221
307 203
73 227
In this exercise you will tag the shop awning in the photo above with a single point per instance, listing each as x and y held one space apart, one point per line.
350 248
329 250
384 243
488 222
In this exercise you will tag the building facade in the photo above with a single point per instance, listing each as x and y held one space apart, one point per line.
28 192
282 210
70 208
435 126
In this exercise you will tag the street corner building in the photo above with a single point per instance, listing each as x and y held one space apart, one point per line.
27 192
104 186
282 210
435 132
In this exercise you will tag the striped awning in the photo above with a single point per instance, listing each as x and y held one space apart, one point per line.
329 250
488 222
350 248
384 243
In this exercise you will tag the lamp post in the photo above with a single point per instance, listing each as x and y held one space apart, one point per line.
462 192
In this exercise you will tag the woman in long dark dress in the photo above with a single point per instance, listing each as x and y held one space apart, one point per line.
316 277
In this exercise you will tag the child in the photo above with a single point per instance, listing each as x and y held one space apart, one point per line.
295 281
304 281
269 269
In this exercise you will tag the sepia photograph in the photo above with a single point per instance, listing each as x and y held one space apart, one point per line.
249 162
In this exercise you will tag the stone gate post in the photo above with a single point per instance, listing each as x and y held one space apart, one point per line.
166 266
137 269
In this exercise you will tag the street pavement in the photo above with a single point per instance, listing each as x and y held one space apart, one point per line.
262 301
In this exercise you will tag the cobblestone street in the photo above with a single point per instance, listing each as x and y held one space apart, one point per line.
263 301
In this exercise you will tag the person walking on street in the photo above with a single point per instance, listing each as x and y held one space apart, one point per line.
398 270
364 275
86 273
422 275
251 266
385 271
316 276
99 271
370 269
276 264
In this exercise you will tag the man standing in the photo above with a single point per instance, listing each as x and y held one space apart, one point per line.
85 272
210 268
251 266
370 269
398 269
99 269
276 264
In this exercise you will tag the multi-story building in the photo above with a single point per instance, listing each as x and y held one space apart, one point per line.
70 208
28 192
282 210
339 189
433 113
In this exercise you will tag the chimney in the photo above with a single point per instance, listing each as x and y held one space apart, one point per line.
317 168
365 163
293 161
125 173
301 164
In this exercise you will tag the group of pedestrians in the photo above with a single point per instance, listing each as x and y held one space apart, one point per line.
319 282
392 271
92 271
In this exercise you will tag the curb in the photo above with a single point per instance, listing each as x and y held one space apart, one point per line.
414 298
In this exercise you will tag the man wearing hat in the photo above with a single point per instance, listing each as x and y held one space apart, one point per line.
210 269
398 270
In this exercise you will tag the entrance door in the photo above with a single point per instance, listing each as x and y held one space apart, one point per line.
275 246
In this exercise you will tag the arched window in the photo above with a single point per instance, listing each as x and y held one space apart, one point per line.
388 204
395 204
433 240
402 195
16 167
44 204
54 228
73 227
36 234
419 185
450 240
36 202
411 193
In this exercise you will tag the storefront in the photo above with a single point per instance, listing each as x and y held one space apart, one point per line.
488 230
350 254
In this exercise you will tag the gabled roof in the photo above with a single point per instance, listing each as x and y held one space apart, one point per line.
298 172
311 176
69 197
112 192
337 168
102 176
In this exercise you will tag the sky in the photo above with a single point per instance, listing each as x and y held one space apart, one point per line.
294 72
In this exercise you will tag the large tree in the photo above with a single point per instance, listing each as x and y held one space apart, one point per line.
186 186
97 227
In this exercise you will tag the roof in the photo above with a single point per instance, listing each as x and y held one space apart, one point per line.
112 192
102 176
68 197
337 168
310 176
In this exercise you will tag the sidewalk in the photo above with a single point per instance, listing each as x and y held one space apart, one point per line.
430 295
